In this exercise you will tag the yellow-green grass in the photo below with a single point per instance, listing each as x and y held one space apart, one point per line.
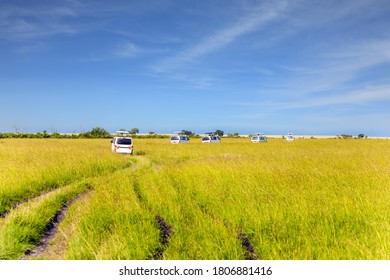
30 167
24 227
308 199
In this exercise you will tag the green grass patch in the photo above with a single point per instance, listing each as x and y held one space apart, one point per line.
24 227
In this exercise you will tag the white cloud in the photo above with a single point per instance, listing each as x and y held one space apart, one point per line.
25 24
259 17
330 70
32 48
127 50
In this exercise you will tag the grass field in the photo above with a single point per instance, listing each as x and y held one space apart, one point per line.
307 199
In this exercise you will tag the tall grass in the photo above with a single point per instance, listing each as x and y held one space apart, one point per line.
308 199
33 166
24 228
114 224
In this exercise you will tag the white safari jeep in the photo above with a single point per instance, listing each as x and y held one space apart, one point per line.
176 139
122 144
259 137
290 137
211 139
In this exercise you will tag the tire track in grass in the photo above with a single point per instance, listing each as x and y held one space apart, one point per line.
166 230
249 250
34 240
61 244
55 246
14 202
20 203
165 234
52 229
31 224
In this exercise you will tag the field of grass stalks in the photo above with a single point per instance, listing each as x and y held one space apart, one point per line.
302 200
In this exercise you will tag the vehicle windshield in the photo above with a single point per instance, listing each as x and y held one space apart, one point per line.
174 138
205 138
214 138
183 138
124 141
255 137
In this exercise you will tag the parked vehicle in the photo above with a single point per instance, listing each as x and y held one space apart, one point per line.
290 137
258 138
122 144
211 139
176 139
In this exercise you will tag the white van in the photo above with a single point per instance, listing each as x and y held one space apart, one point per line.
176 139
290 137
211 139
258 138
122 144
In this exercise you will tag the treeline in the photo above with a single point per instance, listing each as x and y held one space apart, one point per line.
96 132
85 135
99 132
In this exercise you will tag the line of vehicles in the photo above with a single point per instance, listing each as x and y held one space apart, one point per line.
123 143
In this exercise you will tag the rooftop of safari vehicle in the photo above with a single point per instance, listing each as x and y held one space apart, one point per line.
122 133
179 136
257 134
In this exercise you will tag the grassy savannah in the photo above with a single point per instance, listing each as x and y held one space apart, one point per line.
308 199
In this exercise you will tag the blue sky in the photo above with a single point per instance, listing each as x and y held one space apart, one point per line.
306 67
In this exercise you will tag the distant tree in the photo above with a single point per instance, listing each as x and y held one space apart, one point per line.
236 134
134 130
361 136
346 136
56 135
219 132
99 132
187 132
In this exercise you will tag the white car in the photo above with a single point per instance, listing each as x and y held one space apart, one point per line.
211 139
258 138
176 139
290 137
122 145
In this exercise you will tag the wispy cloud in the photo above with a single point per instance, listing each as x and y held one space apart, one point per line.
257 18
127 50
32 48
330 70
351 99
20 24
359 97
329 79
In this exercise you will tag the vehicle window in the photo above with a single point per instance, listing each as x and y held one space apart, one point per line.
174 138
124 141
183 138
205 138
